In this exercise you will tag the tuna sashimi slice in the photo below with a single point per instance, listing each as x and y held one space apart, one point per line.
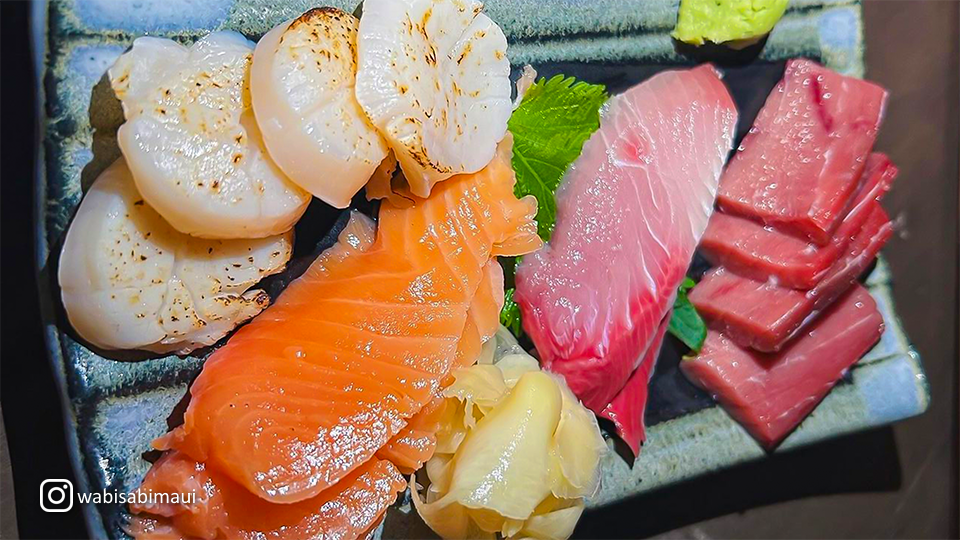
630 213
221 508
628 406
760 252
799 165
763 315
770 394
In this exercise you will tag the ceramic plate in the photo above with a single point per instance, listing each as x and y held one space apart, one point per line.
114 407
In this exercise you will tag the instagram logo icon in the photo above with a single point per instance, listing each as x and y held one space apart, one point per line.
56 495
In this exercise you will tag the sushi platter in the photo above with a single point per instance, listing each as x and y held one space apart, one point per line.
444 268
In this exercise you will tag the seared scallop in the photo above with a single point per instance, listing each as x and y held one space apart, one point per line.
302 88
433 77
130 281
192 143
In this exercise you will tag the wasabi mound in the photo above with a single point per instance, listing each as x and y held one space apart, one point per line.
737 23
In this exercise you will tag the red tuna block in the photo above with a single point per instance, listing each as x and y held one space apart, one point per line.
627 408
770 394
760 252
799 165
763 315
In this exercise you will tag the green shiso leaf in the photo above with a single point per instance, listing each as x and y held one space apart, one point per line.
554 119
686 323
510 314
549 128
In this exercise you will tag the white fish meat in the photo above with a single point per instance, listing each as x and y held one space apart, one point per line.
130 281
192 143
302 86
434 78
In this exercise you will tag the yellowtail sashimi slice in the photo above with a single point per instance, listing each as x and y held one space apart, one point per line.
630 213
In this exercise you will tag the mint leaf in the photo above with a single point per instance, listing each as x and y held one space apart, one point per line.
549 128
686 323
510 314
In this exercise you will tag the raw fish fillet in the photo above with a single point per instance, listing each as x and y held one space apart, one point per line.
800 163
415 443
303 397
630 212
759 252
763 315
224 509
770 394
628 406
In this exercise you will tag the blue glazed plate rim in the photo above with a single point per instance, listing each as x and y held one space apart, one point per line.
847 57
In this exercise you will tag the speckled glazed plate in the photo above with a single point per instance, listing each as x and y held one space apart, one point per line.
114 407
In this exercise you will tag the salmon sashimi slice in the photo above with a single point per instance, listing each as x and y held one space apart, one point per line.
486 306
356 237
801 162
765 316
144 527
770 394
221 508
355 347
416 442
757 251
630 212
628 406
